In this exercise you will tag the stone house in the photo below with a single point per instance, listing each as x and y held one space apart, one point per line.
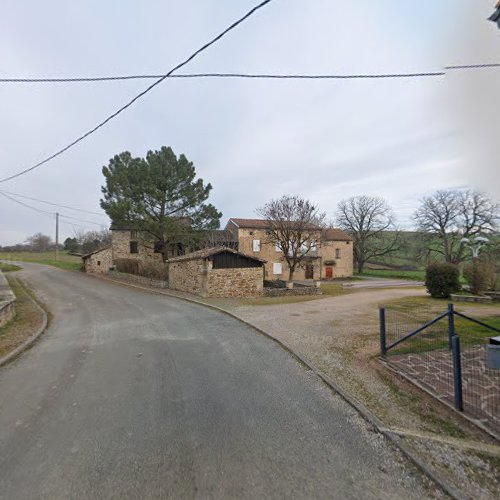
330 256
217 272
98 262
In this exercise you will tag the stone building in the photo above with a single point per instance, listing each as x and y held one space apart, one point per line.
217 272
330 255
98 262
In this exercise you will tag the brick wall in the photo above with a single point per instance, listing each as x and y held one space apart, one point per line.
187 275
240 282
99 262
7 301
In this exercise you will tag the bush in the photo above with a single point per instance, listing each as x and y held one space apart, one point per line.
442 280
154 270
130 266
480 276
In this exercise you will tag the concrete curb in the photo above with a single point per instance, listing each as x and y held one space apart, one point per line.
31 340
375 423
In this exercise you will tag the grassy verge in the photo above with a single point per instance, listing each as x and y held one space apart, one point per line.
7 268
25 323
64 260
394 274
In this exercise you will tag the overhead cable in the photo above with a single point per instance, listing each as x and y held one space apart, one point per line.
140 95
53 204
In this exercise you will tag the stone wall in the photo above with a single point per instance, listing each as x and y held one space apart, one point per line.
188 276
7 301
271 255
121 239
99 262
343 267
134 278
291 292
239 282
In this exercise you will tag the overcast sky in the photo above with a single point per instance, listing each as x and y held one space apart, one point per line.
253 140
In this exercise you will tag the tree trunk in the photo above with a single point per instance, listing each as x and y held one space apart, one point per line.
290 274
360 266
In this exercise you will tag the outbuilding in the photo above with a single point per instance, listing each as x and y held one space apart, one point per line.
217 272
99 261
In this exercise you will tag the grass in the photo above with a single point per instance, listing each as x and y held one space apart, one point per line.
271 301
7 268
27 319
64 261
395 274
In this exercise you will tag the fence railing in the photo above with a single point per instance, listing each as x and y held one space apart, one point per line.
428 348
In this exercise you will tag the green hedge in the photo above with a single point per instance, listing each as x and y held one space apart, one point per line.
442 280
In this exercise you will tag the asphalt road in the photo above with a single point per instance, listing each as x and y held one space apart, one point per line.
135 395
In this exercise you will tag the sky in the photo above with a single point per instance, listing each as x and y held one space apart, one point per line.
253 140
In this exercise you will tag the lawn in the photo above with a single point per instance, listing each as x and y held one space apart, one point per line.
7 268
395 274
415 311
64 261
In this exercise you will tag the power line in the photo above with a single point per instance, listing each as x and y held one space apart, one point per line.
224 75
141 94
53 204
100 224
474 66
45 212
80 79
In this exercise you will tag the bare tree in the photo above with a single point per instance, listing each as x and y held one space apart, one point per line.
371 223
39 242
294 227
448 216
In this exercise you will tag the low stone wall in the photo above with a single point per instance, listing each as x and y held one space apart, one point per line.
7 301
495 296
134 278
480 299
291 292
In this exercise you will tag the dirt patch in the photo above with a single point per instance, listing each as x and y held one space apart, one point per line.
26 322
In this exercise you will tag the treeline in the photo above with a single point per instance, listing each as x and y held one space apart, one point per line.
82 243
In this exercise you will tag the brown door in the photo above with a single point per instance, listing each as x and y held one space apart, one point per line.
329 272
309 271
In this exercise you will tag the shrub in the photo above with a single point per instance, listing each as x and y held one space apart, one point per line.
154 270
442 279
480 276
130 266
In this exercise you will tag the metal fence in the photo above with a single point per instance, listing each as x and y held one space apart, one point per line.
441 352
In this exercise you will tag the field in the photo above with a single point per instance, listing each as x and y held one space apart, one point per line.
395 274
64 261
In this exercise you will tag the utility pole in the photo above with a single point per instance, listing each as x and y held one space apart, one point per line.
57 235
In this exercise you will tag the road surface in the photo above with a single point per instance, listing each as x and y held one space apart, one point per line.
136 395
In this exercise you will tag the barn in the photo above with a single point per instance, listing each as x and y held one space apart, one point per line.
217 272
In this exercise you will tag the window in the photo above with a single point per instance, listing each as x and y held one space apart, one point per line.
98 262
277 268
133 235
158 247
313 246
256 245
337 253
134 247
250 233
277 247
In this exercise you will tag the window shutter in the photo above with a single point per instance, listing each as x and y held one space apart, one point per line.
256 245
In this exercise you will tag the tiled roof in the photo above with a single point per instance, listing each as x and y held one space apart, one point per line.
95 251
258 224
208 252
334 234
